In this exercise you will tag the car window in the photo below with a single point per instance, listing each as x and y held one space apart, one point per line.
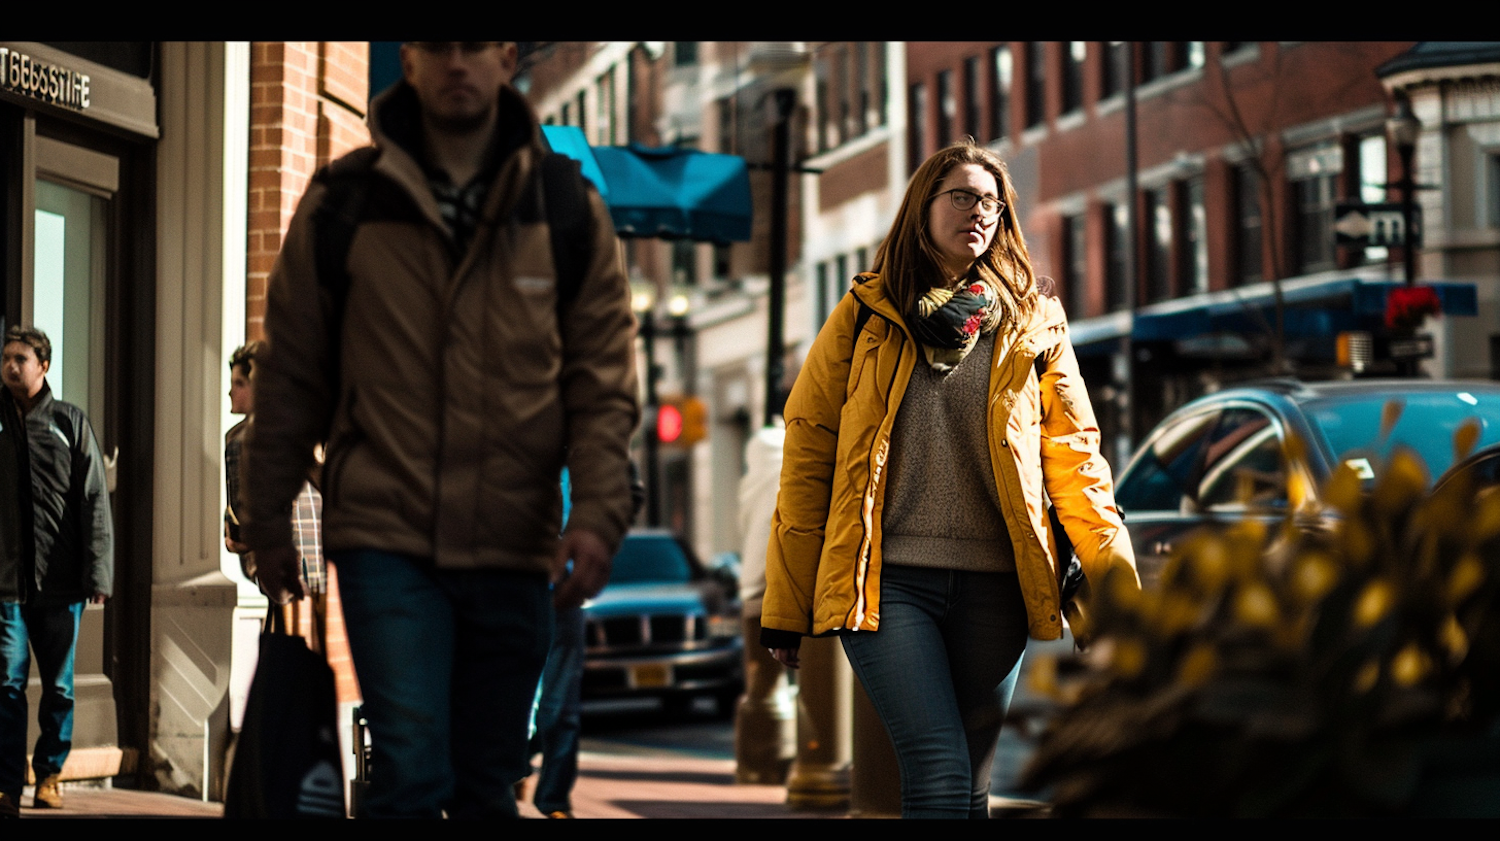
651 559
1164 476
1242 463
1350 426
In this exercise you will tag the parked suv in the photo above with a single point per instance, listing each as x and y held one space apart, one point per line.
664 627
1219 458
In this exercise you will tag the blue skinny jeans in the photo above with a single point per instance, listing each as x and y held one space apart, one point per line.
940 671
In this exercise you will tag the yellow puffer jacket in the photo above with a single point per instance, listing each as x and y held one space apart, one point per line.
823 561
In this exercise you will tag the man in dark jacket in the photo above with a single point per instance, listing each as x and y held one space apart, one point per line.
457 386
56 552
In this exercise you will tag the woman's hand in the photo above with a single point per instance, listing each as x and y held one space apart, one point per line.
788 657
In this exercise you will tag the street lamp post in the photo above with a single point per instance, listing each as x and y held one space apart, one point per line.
1403 128
643 301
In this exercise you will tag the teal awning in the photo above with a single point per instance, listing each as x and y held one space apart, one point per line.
676 193
667 193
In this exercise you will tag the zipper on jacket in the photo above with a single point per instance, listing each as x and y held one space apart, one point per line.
867 504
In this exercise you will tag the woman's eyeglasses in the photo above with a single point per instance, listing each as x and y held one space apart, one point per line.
964 200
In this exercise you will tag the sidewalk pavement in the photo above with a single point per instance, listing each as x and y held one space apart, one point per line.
651 784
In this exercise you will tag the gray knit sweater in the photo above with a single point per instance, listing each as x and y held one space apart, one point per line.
942 508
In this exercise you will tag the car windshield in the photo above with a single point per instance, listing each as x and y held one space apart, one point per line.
1350 426
651 559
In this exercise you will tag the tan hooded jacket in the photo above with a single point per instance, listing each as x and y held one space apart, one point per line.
823 563
462 389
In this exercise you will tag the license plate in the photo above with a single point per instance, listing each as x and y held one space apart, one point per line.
651 676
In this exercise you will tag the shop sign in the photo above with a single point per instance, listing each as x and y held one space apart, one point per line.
39 80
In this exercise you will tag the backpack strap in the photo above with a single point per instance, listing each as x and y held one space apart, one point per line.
568 222
334 223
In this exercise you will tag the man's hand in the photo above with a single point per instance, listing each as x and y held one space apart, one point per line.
591 563
97 598
277 571
789 657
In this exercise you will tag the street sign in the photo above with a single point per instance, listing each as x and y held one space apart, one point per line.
1375 224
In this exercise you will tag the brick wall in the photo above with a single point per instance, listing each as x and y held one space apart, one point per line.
307 106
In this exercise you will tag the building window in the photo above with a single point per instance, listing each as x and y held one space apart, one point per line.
583 122
725 107
916 121
844 82
1000 61
604 102
973 104
877 84
1314 175
824 296
861 92
1072 75
1372 178
722 263
1248 263
1112 70
1036 83
684 261
1075 265
1158 215
823 104
1193 239
685 53
1116 271
948 105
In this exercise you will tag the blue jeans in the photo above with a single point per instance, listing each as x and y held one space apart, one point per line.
940 672
52 632
448 662
559 715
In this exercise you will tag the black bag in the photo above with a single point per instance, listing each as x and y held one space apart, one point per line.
287 763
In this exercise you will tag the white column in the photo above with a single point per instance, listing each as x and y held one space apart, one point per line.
202 172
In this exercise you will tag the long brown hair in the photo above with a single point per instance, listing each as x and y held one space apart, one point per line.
910 264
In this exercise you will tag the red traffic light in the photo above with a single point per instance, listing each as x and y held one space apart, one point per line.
668 423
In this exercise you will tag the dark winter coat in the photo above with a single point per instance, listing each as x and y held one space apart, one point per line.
56 533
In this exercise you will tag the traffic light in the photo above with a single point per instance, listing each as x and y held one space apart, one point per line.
681 421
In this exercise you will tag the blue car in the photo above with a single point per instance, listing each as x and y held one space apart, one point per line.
1219 458
664 627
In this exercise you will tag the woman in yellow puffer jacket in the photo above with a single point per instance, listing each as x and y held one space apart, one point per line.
912 518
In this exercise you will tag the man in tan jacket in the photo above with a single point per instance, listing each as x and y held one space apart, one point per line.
452 385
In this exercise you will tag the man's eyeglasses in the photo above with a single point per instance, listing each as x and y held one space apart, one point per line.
964 200
468 49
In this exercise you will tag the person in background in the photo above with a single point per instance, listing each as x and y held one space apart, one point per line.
56 554
307 512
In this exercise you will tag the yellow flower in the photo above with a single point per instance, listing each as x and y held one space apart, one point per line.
1130 657
1198 665
1465 578
1255 605
1405 481
1464 439
1454 639
1344 490
1409 665
1374 603
1314 575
